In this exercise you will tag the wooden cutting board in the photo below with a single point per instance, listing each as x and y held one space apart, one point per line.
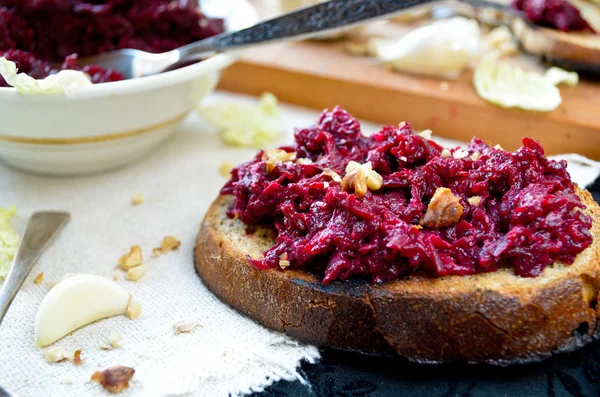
321 75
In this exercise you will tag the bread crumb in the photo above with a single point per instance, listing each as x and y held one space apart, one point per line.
135 273
137 199
55 355
131 259
169 243
186 326
225 169
444 86
134 309
114 379
39 278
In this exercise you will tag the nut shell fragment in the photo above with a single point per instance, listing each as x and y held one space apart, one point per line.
444 210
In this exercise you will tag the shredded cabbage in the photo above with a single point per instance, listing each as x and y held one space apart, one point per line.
509 86
60 83
9 241
256 125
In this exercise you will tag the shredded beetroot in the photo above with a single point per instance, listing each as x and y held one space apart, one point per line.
528 215
558 14
43 31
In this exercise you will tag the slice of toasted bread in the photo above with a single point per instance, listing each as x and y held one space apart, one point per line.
495 317
578 51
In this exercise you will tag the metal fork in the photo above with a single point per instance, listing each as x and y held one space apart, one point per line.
41 229
302 23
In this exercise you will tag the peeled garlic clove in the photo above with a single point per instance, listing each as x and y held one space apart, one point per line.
443 48
75 302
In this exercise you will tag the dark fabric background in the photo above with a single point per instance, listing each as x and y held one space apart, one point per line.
352 375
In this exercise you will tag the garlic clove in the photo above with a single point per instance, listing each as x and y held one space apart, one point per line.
75 302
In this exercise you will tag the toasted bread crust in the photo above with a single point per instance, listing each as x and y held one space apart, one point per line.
495 317
578 50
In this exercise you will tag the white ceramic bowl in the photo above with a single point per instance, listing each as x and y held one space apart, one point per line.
107 125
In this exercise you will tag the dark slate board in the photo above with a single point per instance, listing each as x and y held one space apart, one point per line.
342 374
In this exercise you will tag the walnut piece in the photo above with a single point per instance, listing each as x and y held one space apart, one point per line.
333 175
114 342
283 261
446 153
274 157
361 178
225 169
443 210
131 259
39 278
75 357
135 273
55 355
182 327
137 199
474 201
460 154
114 379
426 134
134 309
169 243
304 160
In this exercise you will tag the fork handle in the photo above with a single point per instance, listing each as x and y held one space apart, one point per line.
303 23
42 226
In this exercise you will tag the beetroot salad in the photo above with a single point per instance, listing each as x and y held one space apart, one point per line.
557 14
36 33
344 204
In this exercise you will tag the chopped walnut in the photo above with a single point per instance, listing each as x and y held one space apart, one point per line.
182 327
460 154
443 210
497 146
446 153
304 160
225 169
274 157
475 200
402 124
135 273
426 134
137 199
283 261
361 178
114 379
475 156
359 49
169 243
131 259
75 357
332 174
134 309
114 342
55 355
39 278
